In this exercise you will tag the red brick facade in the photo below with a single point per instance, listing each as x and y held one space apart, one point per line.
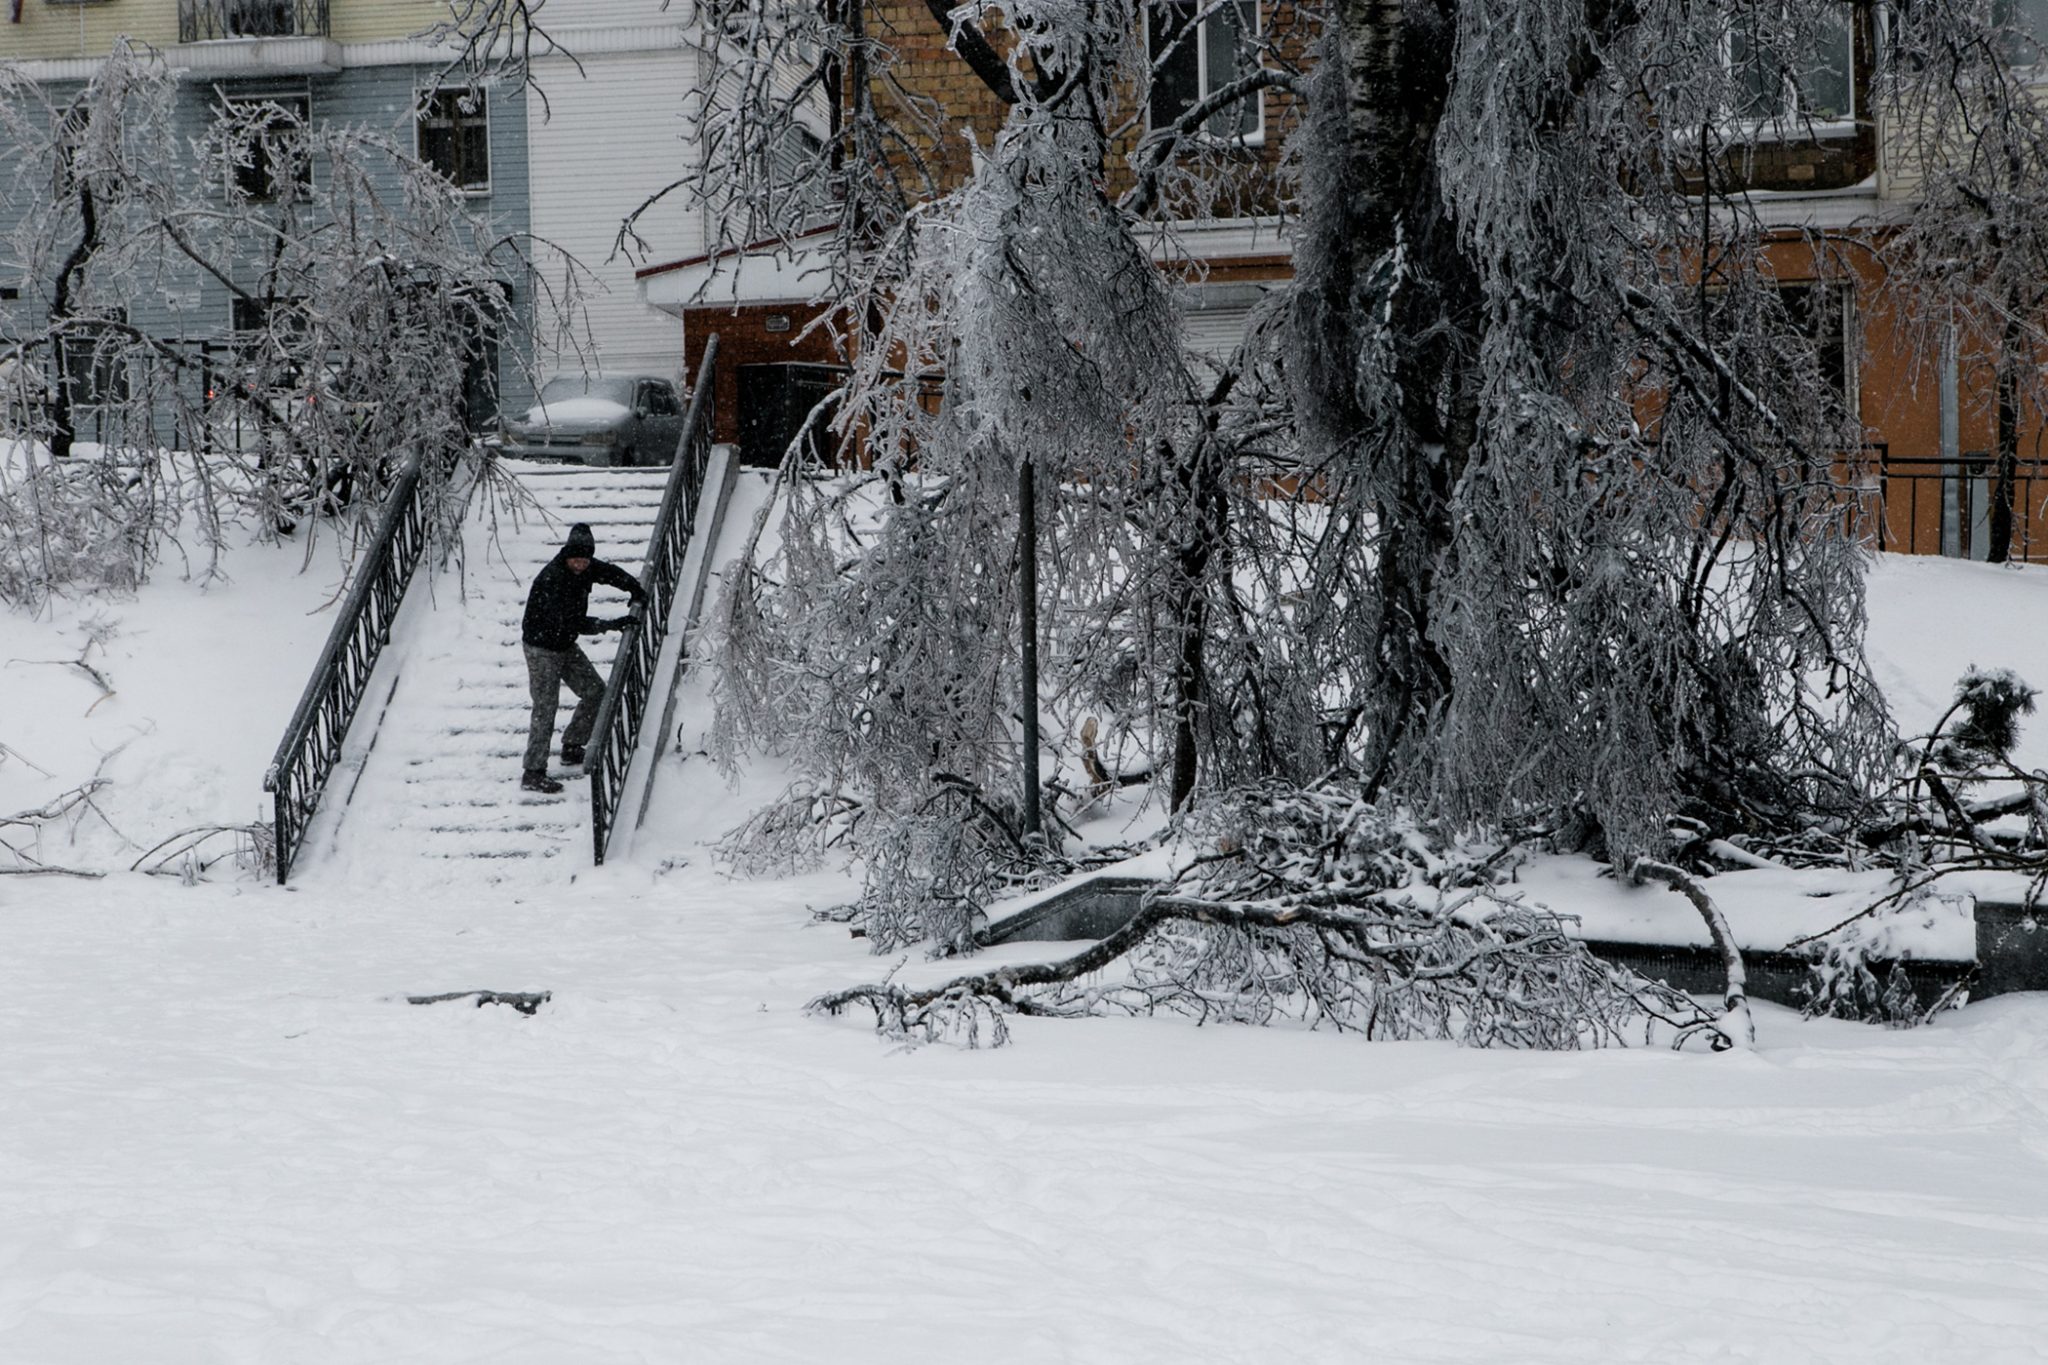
757 335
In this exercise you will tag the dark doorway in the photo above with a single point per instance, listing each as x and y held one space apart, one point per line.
480 322
774 403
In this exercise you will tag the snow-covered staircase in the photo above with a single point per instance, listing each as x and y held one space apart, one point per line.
428 789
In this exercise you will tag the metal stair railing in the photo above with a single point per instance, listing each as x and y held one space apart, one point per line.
312 741
624 707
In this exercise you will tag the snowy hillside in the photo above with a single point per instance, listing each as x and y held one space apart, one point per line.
184 691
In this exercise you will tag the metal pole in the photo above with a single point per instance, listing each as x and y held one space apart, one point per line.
1027 622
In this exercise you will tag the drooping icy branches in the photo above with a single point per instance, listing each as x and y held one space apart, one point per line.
1530 493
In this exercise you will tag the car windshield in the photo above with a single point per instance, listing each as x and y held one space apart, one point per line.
566 386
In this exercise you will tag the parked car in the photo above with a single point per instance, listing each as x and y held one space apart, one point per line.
599 419
244 413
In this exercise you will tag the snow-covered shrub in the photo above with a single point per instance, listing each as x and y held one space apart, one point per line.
1859 970
1991 701
89 524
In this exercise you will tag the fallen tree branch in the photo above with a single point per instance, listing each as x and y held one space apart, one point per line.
99 679
1377 964
1736 998
526 1002
258 836
1734 853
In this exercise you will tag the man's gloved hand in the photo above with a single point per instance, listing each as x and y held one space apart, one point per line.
621 622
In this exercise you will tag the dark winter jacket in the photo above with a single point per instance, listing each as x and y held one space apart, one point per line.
558 607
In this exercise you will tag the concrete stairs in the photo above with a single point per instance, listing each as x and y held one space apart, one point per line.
428 790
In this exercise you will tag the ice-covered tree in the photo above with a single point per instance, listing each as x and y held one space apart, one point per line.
1968 272
1012 322
1611 569
1528 503
1577 538
362 291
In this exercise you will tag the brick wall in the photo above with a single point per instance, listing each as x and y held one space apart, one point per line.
925 69
744 338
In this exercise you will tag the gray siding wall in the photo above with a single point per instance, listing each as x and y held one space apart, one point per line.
176 299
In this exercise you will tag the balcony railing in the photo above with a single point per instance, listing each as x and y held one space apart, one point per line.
1930 505
204 20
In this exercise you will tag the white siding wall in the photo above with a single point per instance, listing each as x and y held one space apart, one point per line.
613 135
579 14
1214 332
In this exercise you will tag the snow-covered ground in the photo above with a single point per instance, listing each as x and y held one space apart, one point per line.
204 673
226 1137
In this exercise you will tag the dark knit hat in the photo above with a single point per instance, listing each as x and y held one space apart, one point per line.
581 544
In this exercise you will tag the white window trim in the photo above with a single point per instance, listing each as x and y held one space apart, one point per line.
1257 136
1790 124
483 98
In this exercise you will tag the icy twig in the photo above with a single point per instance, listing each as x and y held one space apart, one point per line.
9 751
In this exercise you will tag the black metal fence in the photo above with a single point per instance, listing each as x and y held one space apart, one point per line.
204 20
625 696
312 741
1933 504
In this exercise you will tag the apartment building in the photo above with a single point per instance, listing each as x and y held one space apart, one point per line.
557 162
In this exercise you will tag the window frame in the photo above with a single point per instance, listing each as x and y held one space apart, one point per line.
1840 299
423 101
1206 11
91 380
296 101
1791 122
260 19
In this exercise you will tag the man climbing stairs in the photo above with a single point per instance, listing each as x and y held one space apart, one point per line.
436 778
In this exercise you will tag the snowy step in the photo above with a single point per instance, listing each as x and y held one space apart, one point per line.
440 788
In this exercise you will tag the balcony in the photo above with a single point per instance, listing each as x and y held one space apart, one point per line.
201 21
254 38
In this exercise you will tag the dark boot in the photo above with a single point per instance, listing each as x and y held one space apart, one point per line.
537 780
572 755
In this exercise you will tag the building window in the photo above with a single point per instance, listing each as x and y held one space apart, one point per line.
94 359
1824 312
259 18
254 318
1771 87
1198 49
799 173
453 135
2025 27
265 140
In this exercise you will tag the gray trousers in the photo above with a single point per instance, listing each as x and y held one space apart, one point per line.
546 671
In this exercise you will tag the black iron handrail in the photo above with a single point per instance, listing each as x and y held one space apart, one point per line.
312 741
208 20
625 696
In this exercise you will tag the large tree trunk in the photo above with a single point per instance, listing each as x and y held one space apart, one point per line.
1395 58
63 308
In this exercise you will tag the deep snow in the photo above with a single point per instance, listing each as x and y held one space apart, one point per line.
225 1137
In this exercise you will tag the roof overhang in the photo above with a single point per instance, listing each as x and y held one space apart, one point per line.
792 273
